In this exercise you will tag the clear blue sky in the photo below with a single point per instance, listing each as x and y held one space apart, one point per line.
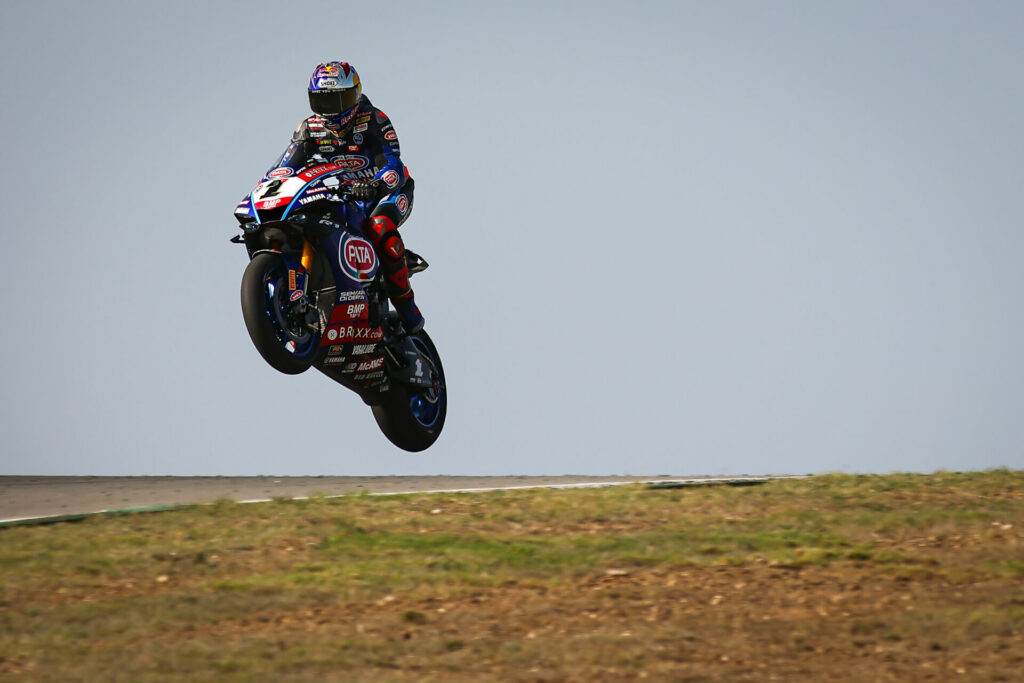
665 237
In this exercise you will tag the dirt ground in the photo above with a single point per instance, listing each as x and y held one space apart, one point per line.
701 624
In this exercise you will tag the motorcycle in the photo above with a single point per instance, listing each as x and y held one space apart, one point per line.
313 296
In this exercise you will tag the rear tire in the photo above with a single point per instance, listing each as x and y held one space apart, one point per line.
412 418
281 339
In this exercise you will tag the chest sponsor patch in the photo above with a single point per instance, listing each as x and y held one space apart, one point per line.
350 162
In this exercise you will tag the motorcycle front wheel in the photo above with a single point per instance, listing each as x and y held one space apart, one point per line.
275 324
412 417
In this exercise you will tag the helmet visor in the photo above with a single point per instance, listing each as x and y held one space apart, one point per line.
333 102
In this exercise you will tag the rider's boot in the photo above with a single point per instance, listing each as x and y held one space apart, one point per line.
391 249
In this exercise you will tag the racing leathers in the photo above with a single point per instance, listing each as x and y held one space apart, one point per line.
366 148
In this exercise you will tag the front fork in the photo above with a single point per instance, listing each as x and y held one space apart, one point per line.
298 282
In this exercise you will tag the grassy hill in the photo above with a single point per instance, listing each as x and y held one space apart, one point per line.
902 577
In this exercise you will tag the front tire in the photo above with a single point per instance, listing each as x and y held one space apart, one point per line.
276 330
411 417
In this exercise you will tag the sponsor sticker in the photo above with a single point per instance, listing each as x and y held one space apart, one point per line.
357 332
358 138
351 295
360 349
336 350
291 279
369 375
390 178
242 209
296 295
357 258
283 172
361 128
308 199
318 171
402 203
327 83
355 311
335 360
391 135
368 365
271 203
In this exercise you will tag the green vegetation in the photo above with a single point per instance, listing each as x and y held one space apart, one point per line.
426 585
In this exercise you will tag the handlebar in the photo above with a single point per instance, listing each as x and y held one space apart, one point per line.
346 189
339 193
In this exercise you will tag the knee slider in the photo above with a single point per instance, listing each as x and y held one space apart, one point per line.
393 246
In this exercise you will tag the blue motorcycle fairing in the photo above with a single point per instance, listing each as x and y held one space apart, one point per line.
353 260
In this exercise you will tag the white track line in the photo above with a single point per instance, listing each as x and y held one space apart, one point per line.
582 485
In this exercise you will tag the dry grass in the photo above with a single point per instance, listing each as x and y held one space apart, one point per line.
902 577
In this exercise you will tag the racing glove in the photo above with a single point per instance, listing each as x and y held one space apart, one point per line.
365 190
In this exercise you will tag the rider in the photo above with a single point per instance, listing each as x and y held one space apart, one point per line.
347 130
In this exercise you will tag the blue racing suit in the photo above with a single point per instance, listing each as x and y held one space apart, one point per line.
367 150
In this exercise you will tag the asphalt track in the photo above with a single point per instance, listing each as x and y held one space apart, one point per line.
27 499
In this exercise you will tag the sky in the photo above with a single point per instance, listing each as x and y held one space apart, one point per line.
664 237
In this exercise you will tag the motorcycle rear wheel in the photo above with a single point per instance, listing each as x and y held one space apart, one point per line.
410 417
283 341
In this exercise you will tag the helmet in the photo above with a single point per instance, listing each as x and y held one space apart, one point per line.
334 90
